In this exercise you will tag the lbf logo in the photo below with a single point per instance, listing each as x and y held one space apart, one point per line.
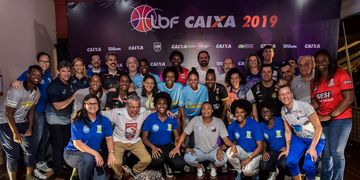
144 18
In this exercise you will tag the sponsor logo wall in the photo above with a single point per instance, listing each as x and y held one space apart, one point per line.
233 28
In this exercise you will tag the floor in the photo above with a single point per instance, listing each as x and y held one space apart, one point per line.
352 170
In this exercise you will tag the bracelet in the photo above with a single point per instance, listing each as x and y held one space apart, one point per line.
250 157
111 151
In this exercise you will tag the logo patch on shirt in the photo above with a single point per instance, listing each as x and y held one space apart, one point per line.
155 127
213 129
266 136
86 129
169 128
331 83
248 135
278 134
98 129
237 135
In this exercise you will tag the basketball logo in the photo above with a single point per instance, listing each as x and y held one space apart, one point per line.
141 16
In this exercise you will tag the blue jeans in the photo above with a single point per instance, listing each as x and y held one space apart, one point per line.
40 136
297 148
333 159
199 156
85 164
12 149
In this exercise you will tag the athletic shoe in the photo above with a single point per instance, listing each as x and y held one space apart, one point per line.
43 167
213 172
200 172
273 175
224 169
168 171
39 175
238 176
187 169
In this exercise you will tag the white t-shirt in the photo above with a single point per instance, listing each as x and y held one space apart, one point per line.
127 129
298 119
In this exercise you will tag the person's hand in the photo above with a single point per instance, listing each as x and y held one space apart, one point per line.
323 118
313 154
17 84
233 151
284 152
174 152
17 138
219 154
111 159
191 150
99 160
28 132
265 156
245 162
170 114
155 152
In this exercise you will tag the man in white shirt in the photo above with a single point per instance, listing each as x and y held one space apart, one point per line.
203 60
128 122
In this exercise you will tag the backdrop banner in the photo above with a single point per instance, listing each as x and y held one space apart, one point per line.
229 28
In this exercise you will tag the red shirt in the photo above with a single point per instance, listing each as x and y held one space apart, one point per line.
329 94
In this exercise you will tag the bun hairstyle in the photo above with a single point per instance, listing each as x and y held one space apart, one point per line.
193 71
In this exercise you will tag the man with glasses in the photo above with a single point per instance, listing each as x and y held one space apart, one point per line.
128 122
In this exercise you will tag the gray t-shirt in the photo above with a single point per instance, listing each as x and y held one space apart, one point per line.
20 99
206 137
298 119
80 95
301 89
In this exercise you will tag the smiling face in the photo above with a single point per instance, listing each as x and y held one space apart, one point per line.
286 96
144 68
193 81
206 110
176 61
95 61
161 106
305 66
253 62
44 62
95 83
210 80
322 62
111 62
268 55
133 107
124 83
266 74
170 78
132 64
240 114
287 73
34 76
235 80
64 74
203 59
149 84
266 114
91 106
228 64
79 67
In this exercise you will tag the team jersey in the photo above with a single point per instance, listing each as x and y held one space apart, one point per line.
275 136
217 97
247 136
160 133
138 80
110 80
192 100
240 94
252 79
329 93
174 92
79 83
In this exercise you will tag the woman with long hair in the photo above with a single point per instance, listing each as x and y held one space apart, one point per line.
147 92
253 66
79 79
88 130
332 95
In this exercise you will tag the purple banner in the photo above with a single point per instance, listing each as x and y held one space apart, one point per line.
234 28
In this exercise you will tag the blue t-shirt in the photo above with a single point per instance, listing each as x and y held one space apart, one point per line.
274 137
174 92
91 135
138 80
252 79
90 72
247 136
43 85
160 133
192 100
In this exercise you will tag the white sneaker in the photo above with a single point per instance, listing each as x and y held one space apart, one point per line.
224 169
43 167
187 169
39 175
213 172
200 172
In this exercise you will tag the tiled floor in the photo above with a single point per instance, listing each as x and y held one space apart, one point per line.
352 170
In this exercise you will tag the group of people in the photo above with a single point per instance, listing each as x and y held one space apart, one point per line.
262 123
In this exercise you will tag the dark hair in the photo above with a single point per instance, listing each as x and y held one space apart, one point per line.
242 104
267 65
144 60
176 53
82 115
211 71
163 95
268 47
35 67
203 52
193 71
207 102
267 106
64 64
42 53
331 68
289 59
100 89
94 54
110 54
232 71
248 59
283 64
155 90
170 69
126 75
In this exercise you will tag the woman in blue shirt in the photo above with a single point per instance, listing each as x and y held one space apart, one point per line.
88 130
158 131
274 136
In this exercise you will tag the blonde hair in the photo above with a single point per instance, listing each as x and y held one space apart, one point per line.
73 65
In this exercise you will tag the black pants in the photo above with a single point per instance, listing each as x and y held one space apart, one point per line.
59 137
177 163
270 166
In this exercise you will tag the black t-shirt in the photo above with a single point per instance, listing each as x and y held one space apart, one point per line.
114 101
58 92
267 95
216 98
79 83
109 80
